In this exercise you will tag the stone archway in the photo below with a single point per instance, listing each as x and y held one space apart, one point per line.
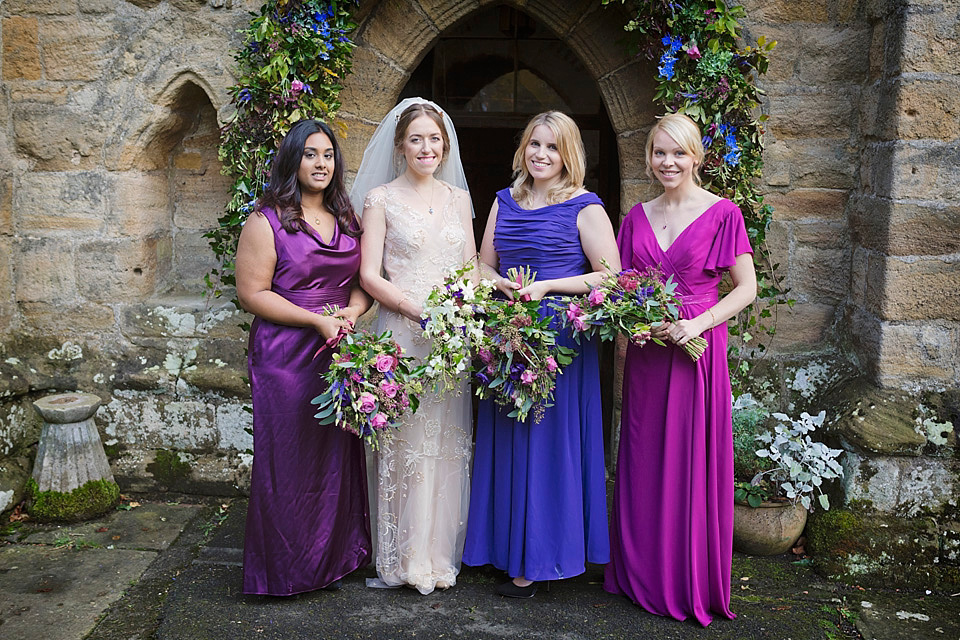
393 38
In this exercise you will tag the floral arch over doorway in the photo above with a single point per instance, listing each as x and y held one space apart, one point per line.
351 60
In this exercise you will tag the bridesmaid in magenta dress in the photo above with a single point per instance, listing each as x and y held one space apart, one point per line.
671 529
308 522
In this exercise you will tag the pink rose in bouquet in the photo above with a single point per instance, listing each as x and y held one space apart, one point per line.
596 296
385 362
390 388
368 402
527 377
379 421
628 280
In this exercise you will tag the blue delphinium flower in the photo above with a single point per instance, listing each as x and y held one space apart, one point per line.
245 95
668 59
666 66
675 44
732 158
706 141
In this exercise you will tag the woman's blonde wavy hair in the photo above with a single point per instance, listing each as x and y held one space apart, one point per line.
570 147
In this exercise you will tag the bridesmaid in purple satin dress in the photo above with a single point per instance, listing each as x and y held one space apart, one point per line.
308 522
671 529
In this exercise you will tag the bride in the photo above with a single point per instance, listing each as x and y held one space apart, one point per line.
417 226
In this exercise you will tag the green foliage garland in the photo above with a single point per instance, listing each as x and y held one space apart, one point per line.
703 72
294 57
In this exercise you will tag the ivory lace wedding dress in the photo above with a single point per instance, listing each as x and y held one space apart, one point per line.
422 475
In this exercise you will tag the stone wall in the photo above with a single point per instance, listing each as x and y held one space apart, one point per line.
109 177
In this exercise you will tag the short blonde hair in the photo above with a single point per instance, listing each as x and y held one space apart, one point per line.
570 148
685 133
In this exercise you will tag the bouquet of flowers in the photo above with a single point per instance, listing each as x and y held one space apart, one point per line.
454 315
519 358
371 385
630 302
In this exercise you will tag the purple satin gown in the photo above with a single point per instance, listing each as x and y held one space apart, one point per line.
308 522
671 529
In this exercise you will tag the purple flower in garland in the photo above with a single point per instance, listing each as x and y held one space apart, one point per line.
706 142
244 96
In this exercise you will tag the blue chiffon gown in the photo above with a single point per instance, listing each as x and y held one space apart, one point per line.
538 498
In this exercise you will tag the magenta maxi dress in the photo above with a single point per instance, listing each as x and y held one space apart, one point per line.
308 522
671 529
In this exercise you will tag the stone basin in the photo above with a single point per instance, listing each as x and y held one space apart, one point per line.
66 408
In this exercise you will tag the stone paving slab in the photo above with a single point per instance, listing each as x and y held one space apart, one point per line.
151 526
908 616
58 593
156 585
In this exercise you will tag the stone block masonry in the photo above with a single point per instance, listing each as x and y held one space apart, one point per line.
109 117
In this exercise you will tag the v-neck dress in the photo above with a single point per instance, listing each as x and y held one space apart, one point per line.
671 528
308 520
538 506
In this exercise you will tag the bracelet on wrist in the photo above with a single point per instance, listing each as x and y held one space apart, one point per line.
713 318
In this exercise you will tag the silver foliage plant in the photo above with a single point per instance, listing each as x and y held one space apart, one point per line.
802 464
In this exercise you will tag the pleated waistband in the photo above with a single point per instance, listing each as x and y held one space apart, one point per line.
700 298
315 298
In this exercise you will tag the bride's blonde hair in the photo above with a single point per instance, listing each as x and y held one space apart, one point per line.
570 148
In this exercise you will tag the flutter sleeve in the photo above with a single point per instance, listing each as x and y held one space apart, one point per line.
625 242
730 241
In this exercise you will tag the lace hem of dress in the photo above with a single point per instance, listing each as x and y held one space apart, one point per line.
425 583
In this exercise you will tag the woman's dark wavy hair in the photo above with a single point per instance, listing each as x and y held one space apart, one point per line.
283 193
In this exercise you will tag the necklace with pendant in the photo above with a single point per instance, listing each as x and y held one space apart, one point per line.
314 217
663 214
429 204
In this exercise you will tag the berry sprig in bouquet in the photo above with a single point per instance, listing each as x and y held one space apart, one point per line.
519 359
454 315
371 385
629 303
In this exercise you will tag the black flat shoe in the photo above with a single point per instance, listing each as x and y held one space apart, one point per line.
510 590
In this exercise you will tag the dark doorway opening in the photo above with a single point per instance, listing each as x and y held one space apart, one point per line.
492 72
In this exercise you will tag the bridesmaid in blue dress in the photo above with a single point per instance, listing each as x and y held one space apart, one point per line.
538 505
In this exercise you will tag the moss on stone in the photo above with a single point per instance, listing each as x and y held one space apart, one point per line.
87 501
168 468
112 450
838 532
